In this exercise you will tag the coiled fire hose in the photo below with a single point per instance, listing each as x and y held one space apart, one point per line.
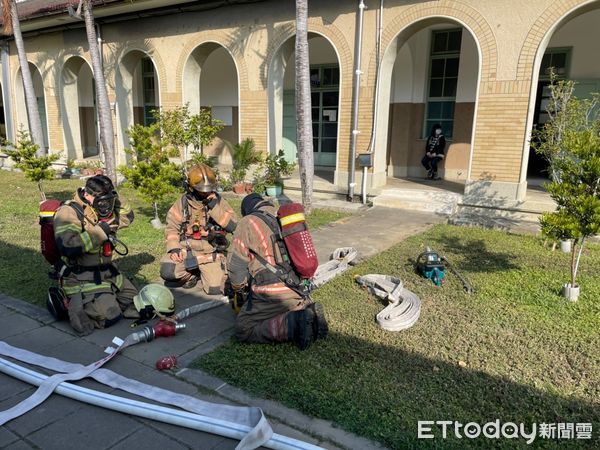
404 308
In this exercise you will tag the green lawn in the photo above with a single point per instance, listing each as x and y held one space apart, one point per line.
530 355
23 269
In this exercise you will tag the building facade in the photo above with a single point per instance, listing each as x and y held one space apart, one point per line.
478 67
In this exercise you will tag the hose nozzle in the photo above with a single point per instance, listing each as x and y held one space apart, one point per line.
162 328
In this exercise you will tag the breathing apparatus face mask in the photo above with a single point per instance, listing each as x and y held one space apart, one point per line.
200 196
105 204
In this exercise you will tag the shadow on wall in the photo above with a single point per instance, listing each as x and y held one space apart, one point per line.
485 207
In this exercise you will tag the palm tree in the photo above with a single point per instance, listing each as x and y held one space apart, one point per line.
303 106
104 114
13 26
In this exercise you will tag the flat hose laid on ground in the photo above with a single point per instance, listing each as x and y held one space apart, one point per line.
173 416
404 308
259 429
341 259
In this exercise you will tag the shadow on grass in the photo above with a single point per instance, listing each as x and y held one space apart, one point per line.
24 271
473 254
381 392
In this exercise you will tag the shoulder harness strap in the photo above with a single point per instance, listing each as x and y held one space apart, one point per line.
283 269
78 210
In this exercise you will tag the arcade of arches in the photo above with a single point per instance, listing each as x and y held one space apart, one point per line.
467 65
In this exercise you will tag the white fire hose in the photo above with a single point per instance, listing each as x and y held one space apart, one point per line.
224 420
404 308
340 262
245 423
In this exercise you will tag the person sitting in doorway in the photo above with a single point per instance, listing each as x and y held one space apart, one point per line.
434 152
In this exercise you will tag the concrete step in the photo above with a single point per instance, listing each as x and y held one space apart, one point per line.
437 201
323 194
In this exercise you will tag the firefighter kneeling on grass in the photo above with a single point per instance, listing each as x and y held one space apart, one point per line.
271 256
196 240
85 230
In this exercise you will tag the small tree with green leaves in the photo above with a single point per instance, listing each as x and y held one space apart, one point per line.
25 155
180 129
151 172
574 156
565 113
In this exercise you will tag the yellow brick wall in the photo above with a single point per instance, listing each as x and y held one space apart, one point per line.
253 34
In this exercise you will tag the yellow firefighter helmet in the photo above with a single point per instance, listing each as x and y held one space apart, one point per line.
202 178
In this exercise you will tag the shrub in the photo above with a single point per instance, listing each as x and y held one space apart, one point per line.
24 154
151 173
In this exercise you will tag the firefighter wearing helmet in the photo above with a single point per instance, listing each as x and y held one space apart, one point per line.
85 231
195 234
269 310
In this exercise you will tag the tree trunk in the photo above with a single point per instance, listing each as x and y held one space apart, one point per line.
42 193
33 113
104 113
303 106
574 261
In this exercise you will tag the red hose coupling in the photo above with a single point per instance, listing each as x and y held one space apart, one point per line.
166 328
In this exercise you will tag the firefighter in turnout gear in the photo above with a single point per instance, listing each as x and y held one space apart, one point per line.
273 311
85 231
197 225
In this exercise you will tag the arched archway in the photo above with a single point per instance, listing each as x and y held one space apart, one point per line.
38 86
429 74
567 49
137 92
326 83
211 81
78 104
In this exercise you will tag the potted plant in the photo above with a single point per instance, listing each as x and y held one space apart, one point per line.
224 183
575 186
243 156
275 168
237 181
70 165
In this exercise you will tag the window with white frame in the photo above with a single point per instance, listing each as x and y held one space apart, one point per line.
443 80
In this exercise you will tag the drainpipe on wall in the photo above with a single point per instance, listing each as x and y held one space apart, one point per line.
355 99
6 91
101 51
373 142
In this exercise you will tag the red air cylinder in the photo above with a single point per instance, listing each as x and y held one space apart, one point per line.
298 240
47 243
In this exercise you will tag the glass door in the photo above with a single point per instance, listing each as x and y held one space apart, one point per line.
325 82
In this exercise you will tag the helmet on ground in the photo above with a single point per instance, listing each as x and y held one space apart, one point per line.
201 178
154 299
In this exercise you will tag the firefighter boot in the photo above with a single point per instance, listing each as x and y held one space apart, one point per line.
300 327
320 327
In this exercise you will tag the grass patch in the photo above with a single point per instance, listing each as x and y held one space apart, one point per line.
530 356
23 269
